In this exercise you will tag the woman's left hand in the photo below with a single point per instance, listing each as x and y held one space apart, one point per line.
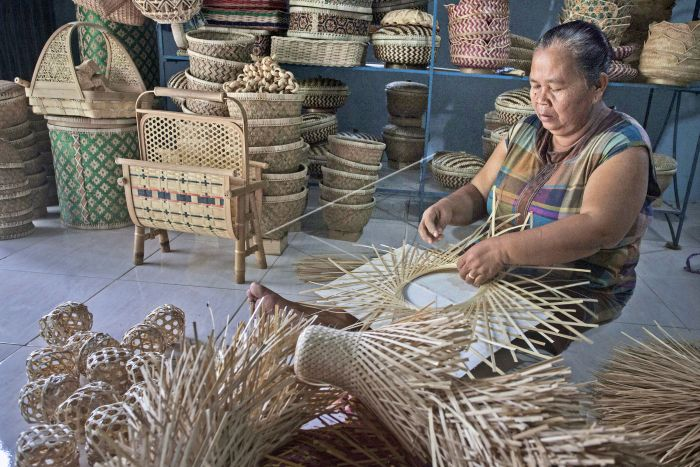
482 262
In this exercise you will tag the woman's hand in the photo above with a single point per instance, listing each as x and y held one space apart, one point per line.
482 262
434 220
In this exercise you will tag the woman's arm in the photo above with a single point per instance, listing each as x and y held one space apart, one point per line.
612 199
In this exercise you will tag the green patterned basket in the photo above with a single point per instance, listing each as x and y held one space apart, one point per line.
140 41
86 173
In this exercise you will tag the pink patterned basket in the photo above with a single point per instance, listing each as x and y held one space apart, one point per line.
480 25
269 5
479 7
467 55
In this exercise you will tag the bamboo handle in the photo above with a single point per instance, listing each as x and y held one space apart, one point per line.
23 82
189 94
179 35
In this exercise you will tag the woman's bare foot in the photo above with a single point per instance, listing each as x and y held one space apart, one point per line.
270 300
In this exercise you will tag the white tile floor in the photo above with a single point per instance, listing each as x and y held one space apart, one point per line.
56 264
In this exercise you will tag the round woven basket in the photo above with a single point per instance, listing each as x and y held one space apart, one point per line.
274 131
380 8
221 43
406 99
622 72
403 145
665 168
213 69
492 120
347 217
40 196
346 180
261 45
37 179
317 127
169 11
259 105
328 24
353 150
281 159
453 170
278 210
337 163
16 132
178 81
14 201
14 108
518 53
405 121
300 51
12 178
359 136
318 155
403 45
355 196
514 105
324 94
201 84
203 106
285 183
22 230
28 152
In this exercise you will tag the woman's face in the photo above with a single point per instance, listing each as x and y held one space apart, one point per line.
562 98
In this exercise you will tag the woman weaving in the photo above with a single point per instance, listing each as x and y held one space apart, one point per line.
582 169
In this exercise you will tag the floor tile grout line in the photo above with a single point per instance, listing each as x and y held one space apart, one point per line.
662 301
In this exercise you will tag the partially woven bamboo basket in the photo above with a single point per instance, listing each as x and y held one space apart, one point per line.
221 43
317 127
259 105
328 24
285 183
453 170
169 11
350 218
363 152
214 69
406 99
346 180
48 445
281 159
357 197
300 51
278 210
343 165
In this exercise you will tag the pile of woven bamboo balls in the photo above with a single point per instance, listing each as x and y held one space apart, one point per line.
83 384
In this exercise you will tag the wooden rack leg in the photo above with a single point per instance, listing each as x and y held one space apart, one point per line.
139 239
164 241
255 218
240 247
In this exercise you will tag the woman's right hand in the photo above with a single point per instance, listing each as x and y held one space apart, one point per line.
434 221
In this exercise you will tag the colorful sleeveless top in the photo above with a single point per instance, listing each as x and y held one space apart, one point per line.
551 187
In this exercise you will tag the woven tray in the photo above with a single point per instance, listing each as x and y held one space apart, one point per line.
213 69
342 165
13 133
453 170
278 210
354 150
221 43
404 145
317 127
324 23
285 183
259 105
250 18
514 105
406 99
357 196
313 52
347 217
281 159
323 94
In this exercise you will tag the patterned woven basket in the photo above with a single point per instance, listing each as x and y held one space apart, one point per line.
314 52
278 210
479 55
213 69
347 217
247 18
357 6
624 51
258 105
622 72
261 44
178 81
363 152
522 42
492 120
169 11
221 43
380 8
337 163
318 158
325 94
54 70
404 45
357 197
13 105
346 180
317 127
403 145
514 105
200 84
476 26
247 4
281 159
324 23
453 170
406 99
203 106
480 7
12 133
285 183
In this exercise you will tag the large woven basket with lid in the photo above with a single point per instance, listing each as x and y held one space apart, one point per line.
323 94
514 105
404 45
406 99
354 150
453 170
281 159
301 51
317 127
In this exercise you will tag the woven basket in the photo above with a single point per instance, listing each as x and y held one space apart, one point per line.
317 127
15 202
281 159
622 72
347 217
16 132
624 51
37 179
12 177
403 145
665 168
285 183
328 24
40 196
474 7
247 4
476 26
259 105
492 120
203 106
363 152
517 53
34 165
213 69
337 163
23 228
13 105
380 8
491 139
404 45
169 11
125 12
357 197
261 44
178 81
406 99
524 65
314 52
274 131
522 42
346 180
247 18
318 158
26 147
324 94
221 43
357 6
405 121
453 170
278 210
514 105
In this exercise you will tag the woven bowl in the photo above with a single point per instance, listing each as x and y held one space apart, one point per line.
347 217
403 145
406 99
213 69
336 163
281 159
14 202
220 43
37 179
34 165
353 150
278 210
346 180
348 196
285 183
318 155
259 105
12 178
317 127
453 170
274 131
324 94
16 132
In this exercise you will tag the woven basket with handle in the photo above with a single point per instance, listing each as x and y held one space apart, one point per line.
453 170
285 183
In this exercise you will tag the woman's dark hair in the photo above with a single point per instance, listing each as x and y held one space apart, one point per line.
586 42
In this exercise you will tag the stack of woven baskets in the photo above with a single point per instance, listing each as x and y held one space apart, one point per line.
18 131
405 39
644 13
453 170
611 16
511 107
520 52
404 135
349 178
619 69
326 33
671 55
16 211
380 8
44 182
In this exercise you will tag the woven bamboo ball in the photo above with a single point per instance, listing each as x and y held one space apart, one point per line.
134 395
107 422
170 320
109 365
39 399
41 445
49 361
76 341
64 321
75 410
152 360
144 338
99 341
